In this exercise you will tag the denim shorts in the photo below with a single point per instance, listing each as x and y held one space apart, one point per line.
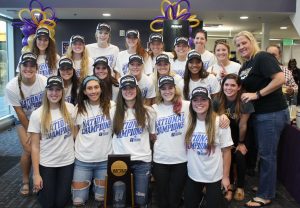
85 172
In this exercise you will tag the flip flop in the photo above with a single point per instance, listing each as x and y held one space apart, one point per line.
261 204
24 191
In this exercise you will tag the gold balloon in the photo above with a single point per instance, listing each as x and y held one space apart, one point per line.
30 39
25 49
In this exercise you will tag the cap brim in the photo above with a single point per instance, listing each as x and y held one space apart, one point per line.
100 62
166 82
200 95
29 60
66 65
137 60
162 59
55 85
129 84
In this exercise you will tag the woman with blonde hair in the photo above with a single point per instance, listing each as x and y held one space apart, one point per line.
24 93
133 124
134 46
78 53
103 45
163 68
208 152
180 51
169 153
262 79
45 49
136 68
52 141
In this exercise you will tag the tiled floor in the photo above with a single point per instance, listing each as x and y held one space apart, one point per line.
10 179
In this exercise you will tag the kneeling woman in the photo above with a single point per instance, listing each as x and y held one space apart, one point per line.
132 124
52 141
208 152
93 142
169 150
229 102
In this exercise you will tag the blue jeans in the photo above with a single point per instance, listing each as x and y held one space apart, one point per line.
141 177
268 128
85 172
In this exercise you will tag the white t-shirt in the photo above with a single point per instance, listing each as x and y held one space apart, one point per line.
43 67
232 67
201 166
111 53
77 67
33 95
56 147
178 67
169 148
122 63
208 59
94 139
211 83
68 93
134 140
115 91
147 87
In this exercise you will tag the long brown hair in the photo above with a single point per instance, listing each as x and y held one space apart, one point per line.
104 102
210 126
187 76
51 56
109 81
221 97
84 64
141 113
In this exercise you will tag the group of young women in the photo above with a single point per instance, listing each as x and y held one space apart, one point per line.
97 101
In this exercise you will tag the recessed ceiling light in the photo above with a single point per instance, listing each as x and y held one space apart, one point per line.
106 14
283 28
244 17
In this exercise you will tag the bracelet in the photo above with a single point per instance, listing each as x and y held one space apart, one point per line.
258 94
242 142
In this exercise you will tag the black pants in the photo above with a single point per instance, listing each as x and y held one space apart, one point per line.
238 159
56 190
169 182
193 194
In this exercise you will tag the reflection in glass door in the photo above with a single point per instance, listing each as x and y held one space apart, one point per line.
4 109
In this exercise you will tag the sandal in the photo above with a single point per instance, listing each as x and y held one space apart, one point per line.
260 203
239 194
228 195
24 190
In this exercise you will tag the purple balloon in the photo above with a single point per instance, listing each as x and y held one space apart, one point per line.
32 1
27 30
25 41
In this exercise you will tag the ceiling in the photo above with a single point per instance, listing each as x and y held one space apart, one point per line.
275 13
